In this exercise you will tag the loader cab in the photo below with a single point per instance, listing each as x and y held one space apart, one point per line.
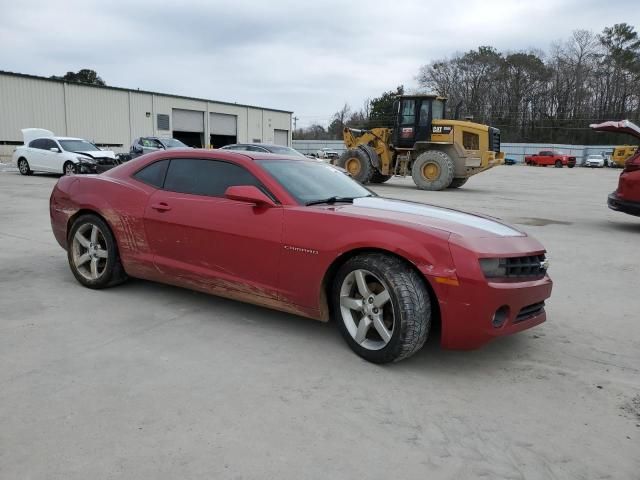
413 116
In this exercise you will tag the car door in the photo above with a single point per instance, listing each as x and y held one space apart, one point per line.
202 240
51 161
34 154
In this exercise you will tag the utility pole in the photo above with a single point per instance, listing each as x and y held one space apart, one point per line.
295 123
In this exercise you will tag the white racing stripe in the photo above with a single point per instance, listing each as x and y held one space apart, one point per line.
438 213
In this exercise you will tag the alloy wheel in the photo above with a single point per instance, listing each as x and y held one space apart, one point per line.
89 251
23 166
366 309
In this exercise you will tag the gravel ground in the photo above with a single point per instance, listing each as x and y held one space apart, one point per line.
149 381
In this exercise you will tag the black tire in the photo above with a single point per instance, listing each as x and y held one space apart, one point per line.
409 299
356 162
377 177
571 166
69 168
23 166
113 273
457 182
558 164
441 162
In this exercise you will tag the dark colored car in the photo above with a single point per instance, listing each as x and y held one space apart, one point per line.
264 148
143 145
301 237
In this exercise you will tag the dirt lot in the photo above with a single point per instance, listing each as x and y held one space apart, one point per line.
149 381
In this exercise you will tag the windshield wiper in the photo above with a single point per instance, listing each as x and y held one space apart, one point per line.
332 200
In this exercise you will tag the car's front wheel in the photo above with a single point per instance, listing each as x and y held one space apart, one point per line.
69 168
93 253
382 307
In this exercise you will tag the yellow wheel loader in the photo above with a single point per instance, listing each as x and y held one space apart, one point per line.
438 153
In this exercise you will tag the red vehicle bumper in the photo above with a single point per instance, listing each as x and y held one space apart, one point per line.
473 314
619 204
475 309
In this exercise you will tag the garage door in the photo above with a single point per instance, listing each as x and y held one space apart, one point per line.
223 124
188 120
281 137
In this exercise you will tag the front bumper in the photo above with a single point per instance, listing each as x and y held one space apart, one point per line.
625 206
468 313
470 306
95 168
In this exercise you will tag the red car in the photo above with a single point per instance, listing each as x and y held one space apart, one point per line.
627 197
550 157
302 237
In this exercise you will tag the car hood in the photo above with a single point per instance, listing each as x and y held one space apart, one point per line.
430 216
98 154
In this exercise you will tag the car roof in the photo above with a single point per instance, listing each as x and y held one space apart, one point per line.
68 138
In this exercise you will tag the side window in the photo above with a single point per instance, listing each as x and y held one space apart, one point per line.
153 174
206 177
48 143
253 148
37 143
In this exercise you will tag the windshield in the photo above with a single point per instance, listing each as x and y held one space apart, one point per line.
310 181
78 146
284 151
172 143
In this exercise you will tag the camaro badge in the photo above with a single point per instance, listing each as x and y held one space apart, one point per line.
301 250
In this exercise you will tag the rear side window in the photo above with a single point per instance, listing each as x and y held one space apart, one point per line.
38 143
206 177
153 174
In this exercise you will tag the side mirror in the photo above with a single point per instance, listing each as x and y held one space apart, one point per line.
249 194
137 149
54 150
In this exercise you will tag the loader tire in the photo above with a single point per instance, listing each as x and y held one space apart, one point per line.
356 162
377 177
457 182
433 170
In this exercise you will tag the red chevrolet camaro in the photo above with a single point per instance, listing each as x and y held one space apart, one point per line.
301 236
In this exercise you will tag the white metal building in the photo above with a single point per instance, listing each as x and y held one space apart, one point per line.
112 117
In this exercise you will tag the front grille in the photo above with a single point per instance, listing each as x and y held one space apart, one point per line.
526 267
530 311
494 139
106 161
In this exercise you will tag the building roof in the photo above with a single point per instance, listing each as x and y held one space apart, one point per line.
58 80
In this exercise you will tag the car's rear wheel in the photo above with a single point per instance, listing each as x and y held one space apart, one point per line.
93 253
23 167
69 168
382 307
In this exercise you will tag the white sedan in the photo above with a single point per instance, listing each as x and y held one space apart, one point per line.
44 152
594 161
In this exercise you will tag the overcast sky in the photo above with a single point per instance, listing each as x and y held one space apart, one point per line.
308 57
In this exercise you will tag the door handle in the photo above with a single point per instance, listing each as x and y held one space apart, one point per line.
161 207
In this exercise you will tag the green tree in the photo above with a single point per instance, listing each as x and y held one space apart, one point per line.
82 76
381 108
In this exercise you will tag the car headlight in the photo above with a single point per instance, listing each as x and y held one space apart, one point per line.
494 267
86 160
